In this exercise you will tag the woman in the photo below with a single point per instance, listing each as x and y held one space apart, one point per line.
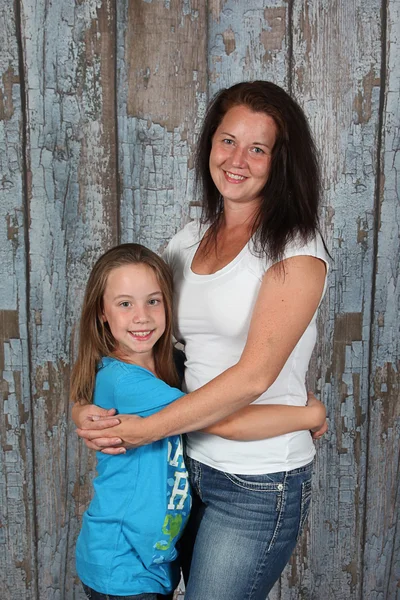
248 283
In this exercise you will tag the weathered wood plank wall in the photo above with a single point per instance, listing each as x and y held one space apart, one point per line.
17 509
100 105
336 67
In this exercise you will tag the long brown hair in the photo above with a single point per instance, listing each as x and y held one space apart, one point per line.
291 196
95 337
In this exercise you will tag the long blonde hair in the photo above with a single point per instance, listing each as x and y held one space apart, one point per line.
95 337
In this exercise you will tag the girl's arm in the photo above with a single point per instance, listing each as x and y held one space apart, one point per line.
286 303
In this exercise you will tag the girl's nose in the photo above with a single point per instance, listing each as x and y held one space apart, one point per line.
140 315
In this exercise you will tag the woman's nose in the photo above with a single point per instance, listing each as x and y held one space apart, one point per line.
239 157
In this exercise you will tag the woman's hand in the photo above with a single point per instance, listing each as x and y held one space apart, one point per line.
95 419
321 425
130 431
86 415
318 433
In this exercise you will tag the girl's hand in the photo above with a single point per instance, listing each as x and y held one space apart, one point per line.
321 425
130 432
89 416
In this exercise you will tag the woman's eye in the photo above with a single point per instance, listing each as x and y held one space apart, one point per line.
227 141
257 150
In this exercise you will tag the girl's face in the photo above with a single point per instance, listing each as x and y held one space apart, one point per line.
133 307
240 157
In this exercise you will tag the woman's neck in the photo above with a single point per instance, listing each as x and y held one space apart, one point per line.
239 215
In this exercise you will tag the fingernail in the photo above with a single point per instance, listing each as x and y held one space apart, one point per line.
122 451
95 418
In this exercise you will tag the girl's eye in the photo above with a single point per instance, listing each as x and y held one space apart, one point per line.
125 304
154 302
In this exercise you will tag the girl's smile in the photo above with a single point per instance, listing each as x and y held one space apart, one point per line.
133 307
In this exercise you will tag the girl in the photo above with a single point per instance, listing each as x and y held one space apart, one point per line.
141 502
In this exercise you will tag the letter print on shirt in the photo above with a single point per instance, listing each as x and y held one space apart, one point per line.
178 499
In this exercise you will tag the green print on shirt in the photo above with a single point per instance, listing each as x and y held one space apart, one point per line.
172 526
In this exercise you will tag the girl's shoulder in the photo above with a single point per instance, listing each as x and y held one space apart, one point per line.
114 369
131 389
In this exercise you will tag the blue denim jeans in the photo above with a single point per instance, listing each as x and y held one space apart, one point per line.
93 595
242 531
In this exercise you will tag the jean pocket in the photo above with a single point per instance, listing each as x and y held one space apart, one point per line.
305 505
258 483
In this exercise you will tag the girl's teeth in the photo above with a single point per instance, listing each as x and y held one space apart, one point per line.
140 333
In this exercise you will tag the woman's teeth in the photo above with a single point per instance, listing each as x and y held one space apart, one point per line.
234 176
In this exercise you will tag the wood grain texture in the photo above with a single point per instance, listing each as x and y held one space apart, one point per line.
382 523
247 40
100 107
162 83
336 77
68 64
162 67
17 507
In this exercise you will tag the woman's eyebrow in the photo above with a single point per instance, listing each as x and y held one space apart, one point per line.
234 137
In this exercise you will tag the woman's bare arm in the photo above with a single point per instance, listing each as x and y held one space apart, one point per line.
262 421
285 305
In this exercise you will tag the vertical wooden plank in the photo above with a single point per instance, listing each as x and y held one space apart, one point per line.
161 97
17 532
382 535
247 41
69 66
336 76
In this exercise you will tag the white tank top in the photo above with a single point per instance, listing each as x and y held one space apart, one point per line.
212 318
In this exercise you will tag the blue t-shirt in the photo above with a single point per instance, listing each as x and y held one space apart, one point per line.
141 499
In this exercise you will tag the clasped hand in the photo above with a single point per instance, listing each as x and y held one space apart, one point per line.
106 432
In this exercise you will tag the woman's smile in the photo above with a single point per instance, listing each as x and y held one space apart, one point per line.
241 151
234 177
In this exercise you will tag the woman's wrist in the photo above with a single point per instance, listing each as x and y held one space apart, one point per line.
153 430
316 415
137 431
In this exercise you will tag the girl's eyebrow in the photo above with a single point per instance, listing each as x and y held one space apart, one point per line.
157 293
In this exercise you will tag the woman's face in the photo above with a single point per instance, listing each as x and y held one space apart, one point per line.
240 157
